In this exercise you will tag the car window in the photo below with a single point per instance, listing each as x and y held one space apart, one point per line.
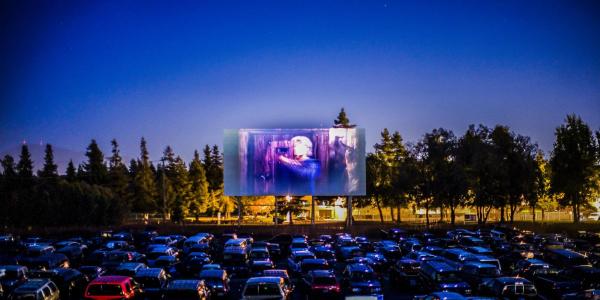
47 292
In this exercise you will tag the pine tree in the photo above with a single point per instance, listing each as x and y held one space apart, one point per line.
342 120
144 186
199 189
25 165
95 168
50 169
119 179
71 173
215 174
208 166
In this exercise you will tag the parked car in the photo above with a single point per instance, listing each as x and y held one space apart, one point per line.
152 282
259 288
359 279
405 273
552 283
36 289
509 288
186 289
439 276
322 284
217 281
112 287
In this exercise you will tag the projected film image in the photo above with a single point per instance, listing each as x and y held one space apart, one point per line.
321 162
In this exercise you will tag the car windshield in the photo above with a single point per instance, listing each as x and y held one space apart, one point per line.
362 276
262 289
309 267
213 281
447 277
259 254
488 272
519 289
24 297
232 258
325 255
298 245
105 290
325 280
149 282
12 274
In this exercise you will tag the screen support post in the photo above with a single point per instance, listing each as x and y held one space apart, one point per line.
349 212
312 210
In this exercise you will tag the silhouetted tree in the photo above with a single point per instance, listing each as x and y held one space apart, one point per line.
574 163
144 185
49 170
71 172
199 188
25 164
95 169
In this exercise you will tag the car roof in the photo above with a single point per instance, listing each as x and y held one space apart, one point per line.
148 272
183 284
12 267
322 273
314 261
264 279
509 280
480 265
359 268
33 284
110 279
276 273
212 274
567 253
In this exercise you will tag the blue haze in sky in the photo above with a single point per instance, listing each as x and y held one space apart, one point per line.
179 72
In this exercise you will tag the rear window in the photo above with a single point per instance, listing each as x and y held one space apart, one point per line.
262 289
325 280
104 290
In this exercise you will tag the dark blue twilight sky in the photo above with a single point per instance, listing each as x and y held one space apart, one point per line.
180 72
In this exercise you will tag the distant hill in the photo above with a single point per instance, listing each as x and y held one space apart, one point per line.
61 156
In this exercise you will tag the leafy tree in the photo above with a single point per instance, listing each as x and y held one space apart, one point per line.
208 166
216 172
25 165
95 169
342 120
8 167
199 188
182 187
49 169
574 163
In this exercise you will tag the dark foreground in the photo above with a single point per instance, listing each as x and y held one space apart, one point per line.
391 263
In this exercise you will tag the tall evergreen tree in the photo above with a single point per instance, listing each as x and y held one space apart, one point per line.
144 186
574 164
95 169
215 177
49 169
199 188
342 120
119 177
25 165
71 173
208 166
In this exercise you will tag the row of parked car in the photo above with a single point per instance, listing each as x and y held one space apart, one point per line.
497 263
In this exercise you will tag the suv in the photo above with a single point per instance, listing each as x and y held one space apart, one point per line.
477 273
111 287
265 288
439 276
14 276
405 272
359 279
38 289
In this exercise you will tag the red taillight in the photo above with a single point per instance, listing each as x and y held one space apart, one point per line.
327 287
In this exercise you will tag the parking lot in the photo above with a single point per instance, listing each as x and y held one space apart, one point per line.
493 262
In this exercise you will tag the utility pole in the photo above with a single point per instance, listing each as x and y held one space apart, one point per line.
312 210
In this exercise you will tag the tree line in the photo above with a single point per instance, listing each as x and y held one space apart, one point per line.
104 190
485 168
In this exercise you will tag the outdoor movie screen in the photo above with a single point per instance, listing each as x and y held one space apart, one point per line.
296 162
